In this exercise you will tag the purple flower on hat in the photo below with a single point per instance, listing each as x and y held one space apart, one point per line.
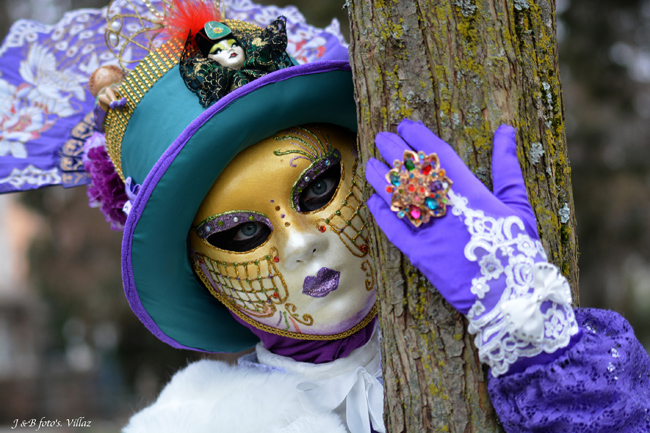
106 189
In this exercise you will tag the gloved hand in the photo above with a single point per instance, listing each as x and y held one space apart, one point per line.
484 255
100 114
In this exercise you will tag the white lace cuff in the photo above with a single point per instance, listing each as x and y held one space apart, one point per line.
534 313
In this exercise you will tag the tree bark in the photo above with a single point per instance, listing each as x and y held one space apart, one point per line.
462 67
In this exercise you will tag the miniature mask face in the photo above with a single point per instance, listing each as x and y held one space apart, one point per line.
228 53
281 238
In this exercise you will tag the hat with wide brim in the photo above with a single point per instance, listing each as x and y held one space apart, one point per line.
176 149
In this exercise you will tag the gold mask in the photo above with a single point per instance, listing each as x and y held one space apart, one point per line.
281 238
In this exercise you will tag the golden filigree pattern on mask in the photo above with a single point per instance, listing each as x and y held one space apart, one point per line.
366 266
349 220
255 288
306 319
308 144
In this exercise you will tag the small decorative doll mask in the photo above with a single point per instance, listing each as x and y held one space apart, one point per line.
228 53
217 42
222 58
281 238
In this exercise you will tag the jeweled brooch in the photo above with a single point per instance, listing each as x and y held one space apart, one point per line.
419 187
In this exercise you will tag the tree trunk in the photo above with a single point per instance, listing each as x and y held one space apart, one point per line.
462 67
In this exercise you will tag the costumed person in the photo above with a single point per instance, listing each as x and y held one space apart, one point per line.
246 227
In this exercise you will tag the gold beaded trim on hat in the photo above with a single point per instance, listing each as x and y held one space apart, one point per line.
133 88
243 28
142 78
299 336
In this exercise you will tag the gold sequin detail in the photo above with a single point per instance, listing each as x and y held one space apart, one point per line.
137 31
249 30
133 88
158 62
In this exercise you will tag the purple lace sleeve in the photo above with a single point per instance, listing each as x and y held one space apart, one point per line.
600 385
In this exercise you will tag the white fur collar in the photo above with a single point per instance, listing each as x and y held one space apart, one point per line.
214 397
273 394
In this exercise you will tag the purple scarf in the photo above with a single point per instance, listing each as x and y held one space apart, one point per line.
314 351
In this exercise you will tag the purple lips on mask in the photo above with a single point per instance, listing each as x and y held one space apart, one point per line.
325 281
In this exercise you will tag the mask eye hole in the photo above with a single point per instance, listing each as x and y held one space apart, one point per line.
241 238
318 184
237 231
319 192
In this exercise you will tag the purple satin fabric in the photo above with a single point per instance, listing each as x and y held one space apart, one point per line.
314 351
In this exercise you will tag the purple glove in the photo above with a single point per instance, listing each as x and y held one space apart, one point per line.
99 113
484 255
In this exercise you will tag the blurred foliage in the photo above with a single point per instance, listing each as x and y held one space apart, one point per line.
605 63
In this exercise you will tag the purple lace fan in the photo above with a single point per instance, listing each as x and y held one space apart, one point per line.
46 109
45 102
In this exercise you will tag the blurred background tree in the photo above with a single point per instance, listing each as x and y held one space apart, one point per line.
96 360
605 63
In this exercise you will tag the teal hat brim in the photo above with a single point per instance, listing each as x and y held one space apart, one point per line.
158 278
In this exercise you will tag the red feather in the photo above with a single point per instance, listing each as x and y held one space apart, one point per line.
188 15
